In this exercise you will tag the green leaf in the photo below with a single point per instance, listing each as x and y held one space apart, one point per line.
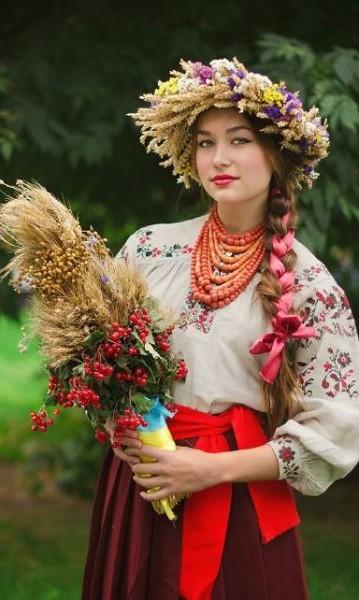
94 337
346 64
79 370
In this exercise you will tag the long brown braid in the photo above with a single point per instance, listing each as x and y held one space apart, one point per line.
280 397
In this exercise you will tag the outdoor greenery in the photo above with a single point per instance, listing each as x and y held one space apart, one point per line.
69 73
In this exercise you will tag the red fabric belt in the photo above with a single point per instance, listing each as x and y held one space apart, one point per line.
206 512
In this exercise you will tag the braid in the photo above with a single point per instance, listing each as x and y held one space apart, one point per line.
274 291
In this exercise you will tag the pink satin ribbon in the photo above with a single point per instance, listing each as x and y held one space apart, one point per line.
285 327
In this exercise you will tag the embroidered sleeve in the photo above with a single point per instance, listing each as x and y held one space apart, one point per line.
288 455
320 444
127 252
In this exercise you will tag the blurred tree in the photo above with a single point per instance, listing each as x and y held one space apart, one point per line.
70 73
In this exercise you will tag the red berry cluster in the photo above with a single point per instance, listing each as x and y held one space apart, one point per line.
162 341
129 420
53 382
96 369
40 421
139 376
113 346
101 436
140 319
79 394
181 370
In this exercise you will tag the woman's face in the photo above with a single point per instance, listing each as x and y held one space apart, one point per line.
225 144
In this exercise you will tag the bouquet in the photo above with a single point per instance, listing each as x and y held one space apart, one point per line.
105 341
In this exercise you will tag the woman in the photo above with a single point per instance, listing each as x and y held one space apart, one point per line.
270 403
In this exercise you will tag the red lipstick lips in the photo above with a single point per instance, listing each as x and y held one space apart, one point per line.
223 179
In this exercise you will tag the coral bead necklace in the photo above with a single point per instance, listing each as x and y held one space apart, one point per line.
223 263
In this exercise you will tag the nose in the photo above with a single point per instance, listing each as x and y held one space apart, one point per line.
221 157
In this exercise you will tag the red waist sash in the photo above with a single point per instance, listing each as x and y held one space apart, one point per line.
206 512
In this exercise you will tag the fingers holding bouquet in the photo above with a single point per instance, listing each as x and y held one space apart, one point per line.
123 443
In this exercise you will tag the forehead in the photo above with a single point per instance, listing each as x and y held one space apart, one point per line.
218 118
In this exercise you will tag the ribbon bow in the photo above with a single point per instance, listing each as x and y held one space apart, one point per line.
284 327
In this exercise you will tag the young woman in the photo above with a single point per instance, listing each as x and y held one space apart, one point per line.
270 402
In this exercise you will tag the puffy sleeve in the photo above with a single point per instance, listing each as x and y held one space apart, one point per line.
320 444
127 252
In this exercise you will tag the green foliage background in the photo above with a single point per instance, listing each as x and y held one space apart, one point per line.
69 73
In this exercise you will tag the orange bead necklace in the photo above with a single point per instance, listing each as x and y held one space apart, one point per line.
223 263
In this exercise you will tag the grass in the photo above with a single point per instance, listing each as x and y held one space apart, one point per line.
43 542
43 538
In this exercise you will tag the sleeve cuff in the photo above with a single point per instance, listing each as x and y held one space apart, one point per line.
288 455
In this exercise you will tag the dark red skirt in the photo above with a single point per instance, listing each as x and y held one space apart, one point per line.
134 554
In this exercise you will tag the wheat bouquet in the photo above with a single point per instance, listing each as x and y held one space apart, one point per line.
104 340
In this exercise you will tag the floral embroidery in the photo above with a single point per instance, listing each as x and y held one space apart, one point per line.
329 312
145 248
123 253
197 314
303 375
287 455
338 376
309 275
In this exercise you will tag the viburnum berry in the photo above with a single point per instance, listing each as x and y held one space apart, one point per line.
133 351
40 421
111 350
53 381
129 420
181 370
101 436
162 341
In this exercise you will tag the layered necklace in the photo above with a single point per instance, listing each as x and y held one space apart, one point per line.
223 263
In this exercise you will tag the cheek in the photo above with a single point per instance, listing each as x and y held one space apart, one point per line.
202 162
256 161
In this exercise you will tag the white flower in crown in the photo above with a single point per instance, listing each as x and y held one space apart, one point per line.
222 66
187 84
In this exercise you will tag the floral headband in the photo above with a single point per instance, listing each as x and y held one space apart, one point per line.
177 102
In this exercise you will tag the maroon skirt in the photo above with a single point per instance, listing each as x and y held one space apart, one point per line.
135 554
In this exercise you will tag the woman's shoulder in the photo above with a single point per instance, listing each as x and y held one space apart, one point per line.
165 240
314 284
308 267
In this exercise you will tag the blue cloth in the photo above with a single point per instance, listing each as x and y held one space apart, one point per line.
155 417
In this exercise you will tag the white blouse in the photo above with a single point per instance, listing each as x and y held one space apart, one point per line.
320 443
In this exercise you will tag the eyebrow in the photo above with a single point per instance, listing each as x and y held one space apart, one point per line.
230 130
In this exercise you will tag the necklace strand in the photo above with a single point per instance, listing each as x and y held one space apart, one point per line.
216 277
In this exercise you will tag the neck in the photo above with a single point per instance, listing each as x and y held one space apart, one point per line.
239 219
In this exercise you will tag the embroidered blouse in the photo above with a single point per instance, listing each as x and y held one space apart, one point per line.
320 443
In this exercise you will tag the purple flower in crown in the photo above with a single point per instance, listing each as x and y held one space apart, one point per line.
236 97
308 170
232 82
203 72
303 143
239 73
273 112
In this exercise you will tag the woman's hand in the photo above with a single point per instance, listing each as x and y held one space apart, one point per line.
184 470
129 439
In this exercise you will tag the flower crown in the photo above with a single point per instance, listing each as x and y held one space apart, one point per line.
177 102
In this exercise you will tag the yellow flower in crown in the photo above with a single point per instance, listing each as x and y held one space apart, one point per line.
167 87
271 94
